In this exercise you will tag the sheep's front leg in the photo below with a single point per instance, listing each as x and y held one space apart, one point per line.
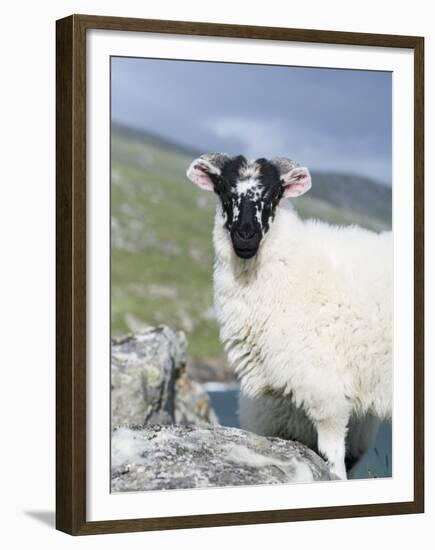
331 437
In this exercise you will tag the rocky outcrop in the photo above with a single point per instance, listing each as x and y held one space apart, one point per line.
150 384
165 433
151 457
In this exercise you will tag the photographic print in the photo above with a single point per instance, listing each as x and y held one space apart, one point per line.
239 274
251 274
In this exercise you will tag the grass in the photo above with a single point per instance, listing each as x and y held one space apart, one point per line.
162 253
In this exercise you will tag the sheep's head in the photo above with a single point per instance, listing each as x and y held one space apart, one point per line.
249 192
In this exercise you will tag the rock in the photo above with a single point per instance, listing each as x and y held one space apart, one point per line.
211 369
192 403
150 384
151 457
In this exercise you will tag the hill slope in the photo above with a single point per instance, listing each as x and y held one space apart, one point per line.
162 252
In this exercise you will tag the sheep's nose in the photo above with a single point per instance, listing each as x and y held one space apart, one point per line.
246 231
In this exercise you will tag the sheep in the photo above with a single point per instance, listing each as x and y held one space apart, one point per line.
304 309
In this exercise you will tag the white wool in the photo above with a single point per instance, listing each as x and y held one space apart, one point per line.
307 325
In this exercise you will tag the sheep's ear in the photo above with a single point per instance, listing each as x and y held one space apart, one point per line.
296 182
295 179
202 169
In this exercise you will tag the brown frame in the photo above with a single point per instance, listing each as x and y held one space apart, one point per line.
71 273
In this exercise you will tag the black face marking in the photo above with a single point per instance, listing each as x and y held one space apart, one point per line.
273 191
249 194
225 186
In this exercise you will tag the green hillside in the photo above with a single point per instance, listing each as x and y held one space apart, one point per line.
162 253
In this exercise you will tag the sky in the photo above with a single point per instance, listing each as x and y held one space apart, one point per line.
335 120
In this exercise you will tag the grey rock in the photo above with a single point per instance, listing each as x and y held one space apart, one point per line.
146 458
150 384
211 369
192 403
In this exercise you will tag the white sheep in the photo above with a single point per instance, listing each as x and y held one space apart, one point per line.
304 308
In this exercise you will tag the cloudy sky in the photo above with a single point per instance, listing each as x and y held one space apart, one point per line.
336 120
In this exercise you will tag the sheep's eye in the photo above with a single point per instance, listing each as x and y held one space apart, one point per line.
271 193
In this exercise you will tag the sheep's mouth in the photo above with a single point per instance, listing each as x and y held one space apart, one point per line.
245 245
245 253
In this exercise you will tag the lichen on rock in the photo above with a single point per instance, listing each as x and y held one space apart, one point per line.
150 384
149 457
166 434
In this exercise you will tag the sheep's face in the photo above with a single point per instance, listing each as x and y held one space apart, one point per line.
249 192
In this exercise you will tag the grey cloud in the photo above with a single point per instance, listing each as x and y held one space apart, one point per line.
338 120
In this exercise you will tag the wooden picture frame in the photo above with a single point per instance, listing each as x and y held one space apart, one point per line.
71 273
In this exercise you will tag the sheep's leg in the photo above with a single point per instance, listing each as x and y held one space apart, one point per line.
331 437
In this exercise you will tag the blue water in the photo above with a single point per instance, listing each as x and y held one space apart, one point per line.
376 463
226 404
378 460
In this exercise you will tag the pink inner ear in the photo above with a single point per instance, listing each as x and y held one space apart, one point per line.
297 182
198 175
